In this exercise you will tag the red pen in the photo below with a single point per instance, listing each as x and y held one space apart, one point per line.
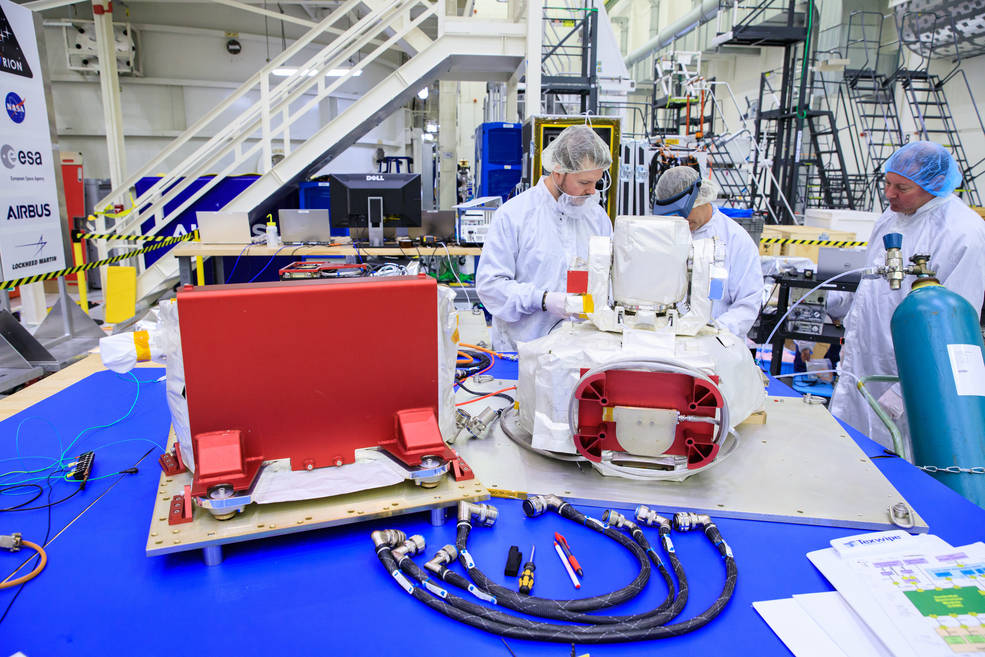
567 552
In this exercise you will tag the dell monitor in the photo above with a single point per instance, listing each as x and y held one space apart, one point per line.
375 201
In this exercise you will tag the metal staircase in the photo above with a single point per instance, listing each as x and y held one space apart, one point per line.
931 113
926 99
833 188
438 44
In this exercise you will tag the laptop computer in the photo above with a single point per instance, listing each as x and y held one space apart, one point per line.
224 227
298 226
832 261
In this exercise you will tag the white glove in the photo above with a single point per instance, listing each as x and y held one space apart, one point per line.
554 302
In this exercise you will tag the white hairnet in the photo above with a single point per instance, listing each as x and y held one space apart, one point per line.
577 148
676 179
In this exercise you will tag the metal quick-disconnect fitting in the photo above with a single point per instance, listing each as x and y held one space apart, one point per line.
536 505
616 519
413 545
686 521
651 518
388 537
486 514
445 556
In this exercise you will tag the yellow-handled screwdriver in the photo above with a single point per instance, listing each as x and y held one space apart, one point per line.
527 576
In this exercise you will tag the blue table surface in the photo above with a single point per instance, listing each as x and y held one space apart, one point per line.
324 591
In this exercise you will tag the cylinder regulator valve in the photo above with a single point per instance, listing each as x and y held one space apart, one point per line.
894 259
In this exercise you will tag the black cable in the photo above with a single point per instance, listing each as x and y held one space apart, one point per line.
639 627
44 543
18 506
564 633
49 504
560 608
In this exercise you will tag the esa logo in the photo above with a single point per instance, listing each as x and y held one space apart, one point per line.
15 107
11 157
377 178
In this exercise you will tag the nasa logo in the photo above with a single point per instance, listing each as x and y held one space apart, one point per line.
15 107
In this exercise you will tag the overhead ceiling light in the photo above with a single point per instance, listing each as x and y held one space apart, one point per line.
423 93
427 137
287 71
431 126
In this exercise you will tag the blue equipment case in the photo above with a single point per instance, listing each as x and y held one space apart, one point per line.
498 159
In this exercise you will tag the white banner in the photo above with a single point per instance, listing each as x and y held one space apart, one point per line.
30 220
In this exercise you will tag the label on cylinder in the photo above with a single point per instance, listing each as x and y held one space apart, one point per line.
968 369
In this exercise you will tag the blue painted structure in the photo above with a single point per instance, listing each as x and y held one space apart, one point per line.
325 592
498 158
214 199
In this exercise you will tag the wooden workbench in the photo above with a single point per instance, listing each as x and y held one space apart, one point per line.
185 251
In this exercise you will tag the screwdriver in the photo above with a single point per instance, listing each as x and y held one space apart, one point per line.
527 576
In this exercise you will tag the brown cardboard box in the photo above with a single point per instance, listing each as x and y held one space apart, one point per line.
800 233
980 211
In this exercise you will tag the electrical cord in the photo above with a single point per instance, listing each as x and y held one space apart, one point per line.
267 264
484 395
454 273
42 561
638 627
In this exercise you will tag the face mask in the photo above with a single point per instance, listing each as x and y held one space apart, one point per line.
567 201
570 204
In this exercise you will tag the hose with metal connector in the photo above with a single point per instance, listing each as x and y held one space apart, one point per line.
504 624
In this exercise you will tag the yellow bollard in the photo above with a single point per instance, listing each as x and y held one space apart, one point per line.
81 278
121 294
199 265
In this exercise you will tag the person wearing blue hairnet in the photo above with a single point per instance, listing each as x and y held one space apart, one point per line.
537 236
743 295
920 179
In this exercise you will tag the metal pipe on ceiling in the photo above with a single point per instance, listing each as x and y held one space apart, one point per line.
683 25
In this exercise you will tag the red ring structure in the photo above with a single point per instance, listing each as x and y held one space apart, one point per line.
664 390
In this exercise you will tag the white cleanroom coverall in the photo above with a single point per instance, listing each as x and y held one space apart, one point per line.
739 306
528 250
954 237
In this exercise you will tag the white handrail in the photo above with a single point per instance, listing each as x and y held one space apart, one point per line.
271 116
233 142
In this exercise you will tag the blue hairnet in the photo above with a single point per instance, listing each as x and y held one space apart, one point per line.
928 165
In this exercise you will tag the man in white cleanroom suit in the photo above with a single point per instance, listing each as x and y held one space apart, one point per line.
919 180
743 295
537 236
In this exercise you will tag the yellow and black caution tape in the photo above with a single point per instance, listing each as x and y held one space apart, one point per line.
79 235
167 241
841 244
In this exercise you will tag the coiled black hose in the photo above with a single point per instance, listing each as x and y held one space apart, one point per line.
638 627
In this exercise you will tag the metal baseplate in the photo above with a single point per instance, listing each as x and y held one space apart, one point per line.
799 466
178 524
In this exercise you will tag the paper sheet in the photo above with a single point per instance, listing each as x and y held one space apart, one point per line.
920 596
797 629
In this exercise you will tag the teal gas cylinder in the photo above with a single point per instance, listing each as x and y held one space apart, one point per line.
939 353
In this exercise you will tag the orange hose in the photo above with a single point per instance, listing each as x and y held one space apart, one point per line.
491 394
7 583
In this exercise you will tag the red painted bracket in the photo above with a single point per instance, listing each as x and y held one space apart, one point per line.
181 508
